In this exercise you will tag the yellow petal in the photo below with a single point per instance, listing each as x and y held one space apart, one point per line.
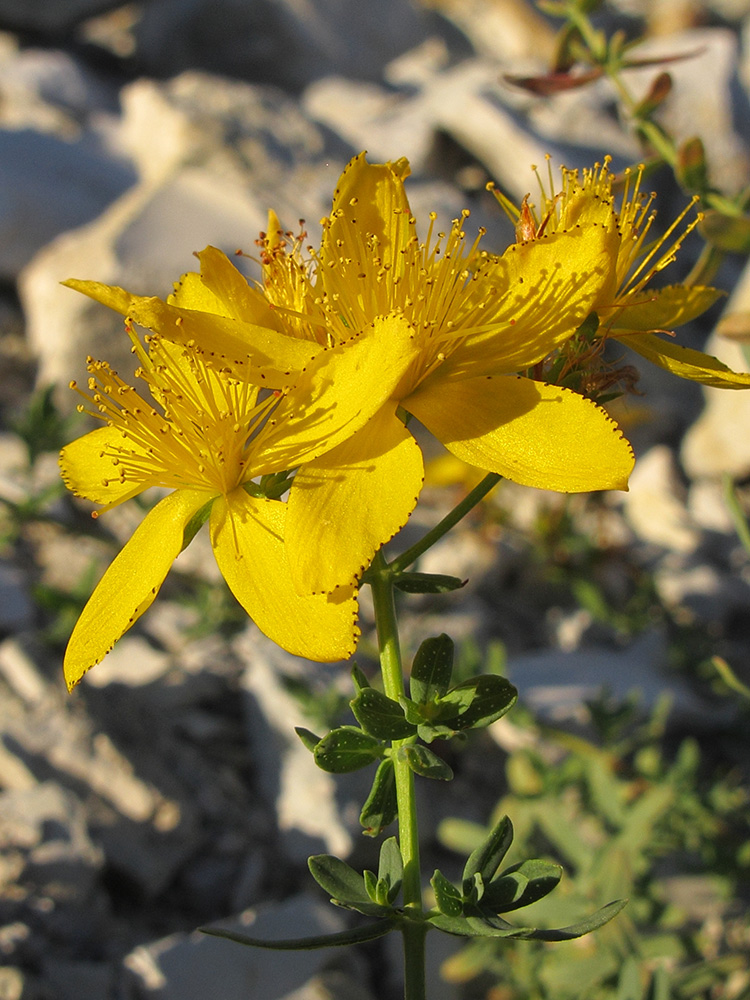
685 362
369 207
661 308
533 433
345 505
247 535
220 288
88 472
131 583
543 290
337 395
261 355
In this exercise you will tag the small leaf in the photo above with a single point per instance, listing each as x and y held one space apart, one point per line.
477 927
553 83
343 884
479 702
425 763
381 716
371 885
487 858
347 749
431 670
726 232
521 885
691 169
391 867
381 807
360 681
660 89
428 583
356 935
592 923
309 738
447 896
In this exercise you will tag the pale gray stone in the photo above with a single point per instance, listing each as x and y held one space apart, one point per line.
61 16
16 608
189 966
704 101
556 685
719 442
50 185
283 42
655 504
307 811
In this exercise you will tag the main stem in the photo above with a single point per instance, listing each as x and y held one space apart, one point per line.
413 931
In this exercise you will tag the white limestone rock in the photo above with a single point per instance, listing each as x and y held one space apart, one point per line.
654 506
719 441
278 41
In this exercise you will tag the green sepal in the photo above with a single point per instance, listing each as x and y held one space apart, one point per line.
380 716
344 885
428 583
381 807
447 896
487 858
309 738
478 702
195 523
356 935
347 749
391 867
425 763
521 885
431 670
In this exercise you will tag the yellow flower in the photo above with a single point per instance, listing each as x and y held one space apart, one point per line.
476 321
634 312
208 437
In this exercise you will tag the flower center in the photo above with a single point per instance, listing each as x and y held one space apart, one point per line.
199 433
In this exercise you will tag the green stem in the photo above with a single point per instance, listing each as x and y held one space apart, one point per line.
400 563
381 582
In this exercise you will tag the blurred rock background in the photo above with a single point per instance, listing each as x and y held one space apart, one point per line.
170 791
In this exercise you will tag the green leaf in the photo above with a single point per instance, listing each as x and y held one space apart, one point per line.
477 927
347 749
381 716
424 762
521 885
592 923
691 169
308 738
478 702
391 867
447 896
381 807
428 583
726 232
431 670
354 936
360 681
343 884
487 858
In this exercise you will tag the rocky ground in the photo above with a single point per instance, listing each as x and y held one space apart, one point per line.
169 790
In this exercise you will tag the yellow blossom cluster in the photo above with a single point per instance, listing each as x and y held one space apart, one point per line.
279 412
